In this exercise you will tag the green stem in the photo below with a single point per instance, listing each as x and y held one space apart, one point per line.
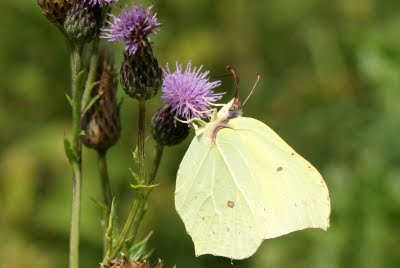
124 233
141 140
91 79
107 194
76 67
156 164
141 197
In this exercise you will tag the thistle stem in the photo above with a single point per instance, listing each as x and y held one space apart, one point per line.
141 140
90 82
141 196
156 162
76 66
107 194
140 214
125 231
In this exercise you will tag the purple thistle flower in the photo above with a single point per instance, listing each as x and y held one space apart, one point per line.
189 93
133 27
100 2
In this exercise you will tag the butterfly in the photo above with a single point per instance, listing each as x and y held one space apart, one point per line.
239 183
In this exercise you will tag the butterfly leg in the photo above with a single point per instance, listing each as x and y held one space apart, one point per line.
197 123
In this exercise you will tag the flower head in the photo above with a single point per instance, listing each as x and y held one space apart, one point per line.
133 26
100 2
189 92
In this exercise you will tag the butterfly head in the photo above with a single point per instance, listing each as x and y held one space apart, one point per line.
235 106
236 109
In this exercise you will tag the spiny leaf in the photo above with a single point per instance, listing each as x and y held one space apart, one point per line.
139 251
112 232
143 186
135 155
134 175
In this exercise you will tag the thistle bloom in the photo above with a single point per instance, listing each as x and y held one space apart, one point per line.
133 26
189 92
100 2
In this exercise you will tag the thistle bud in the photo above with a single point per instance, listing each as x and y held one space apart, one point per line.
56 10
101 123
141 76
166 130
83 22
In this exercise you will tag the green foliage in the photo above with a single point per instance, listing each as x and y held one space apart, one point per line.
113 230
70 153
330 88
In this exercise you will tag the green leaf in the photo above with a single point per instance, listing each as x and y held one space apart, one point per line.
112 232
69 99
79 75
71 155
139 251
134 175
136 155
91 103
143 186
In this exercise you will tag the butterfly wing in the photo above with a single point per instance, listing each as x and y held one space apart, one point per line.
294 193
248 186
212 208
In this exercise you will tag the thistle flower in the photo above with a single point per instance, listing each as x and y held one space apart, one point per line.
100 2
189 92
133 27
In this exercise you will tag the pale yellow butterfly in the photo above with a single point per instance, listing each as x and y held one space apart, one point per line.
240 183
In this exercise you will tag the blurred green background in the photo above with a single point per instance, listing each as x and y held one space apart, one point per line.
330 87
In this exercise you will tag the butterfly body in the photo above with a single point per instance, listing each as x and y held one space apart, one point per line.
240 183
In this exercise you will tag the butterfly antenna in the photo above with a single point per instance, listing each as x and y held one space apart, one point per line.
220 76
236 78
258 76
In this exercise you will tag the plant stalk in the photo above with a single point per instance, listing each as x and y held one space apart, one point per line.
107 194
124 233
76 67
156 164
141 140
141 196
90 82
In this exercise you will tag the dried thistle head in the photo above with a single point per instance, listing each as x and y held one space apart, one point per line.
56 10
126 263
101 123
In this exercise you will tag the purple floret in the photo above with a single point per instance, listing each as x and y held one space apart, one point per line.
133 26
100 2
189 92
